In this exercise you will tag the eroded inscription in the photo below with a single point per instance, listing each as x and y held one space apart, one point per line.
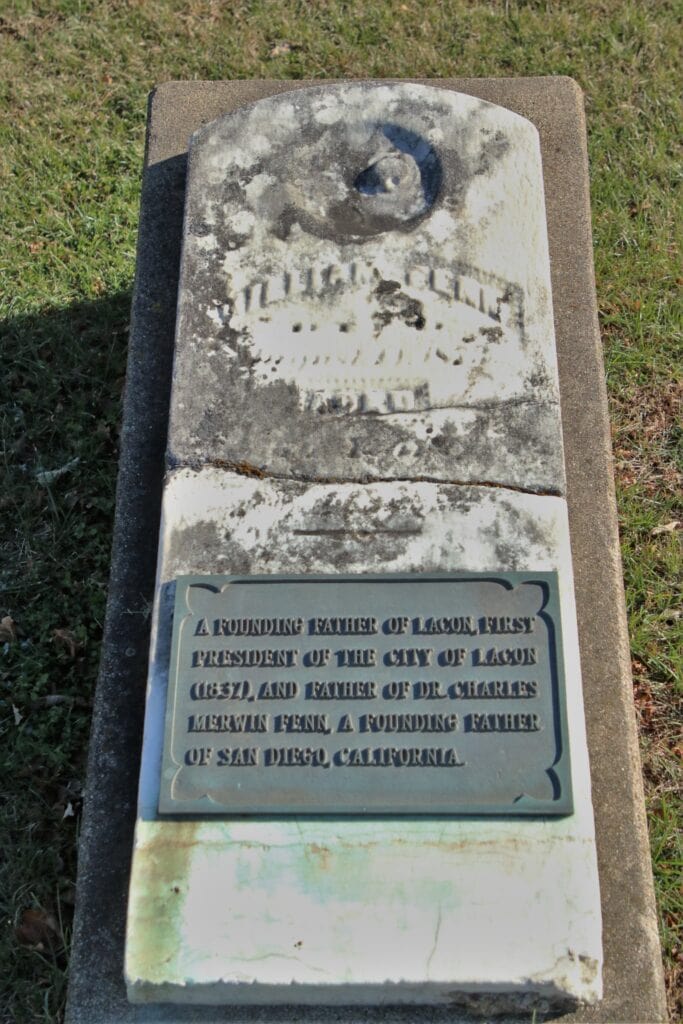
449 686
419 336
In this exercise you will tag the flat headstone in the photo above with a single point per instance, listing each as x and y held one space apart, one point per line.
427 859
365 382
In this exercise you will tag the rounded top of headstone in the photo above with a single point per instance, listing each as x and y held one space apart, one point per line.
345 162
364 290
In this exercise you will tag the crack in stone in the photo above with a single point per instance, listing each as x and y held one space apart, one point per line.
247 469
436 941
279 956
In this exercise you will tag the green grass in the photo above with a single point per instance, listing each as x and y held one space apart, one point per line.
75 76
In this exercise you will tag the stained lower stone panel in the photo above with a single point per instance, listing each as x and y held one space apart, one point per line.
380 909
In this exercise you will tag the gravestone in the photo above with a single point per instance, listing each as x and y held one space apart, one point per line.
275 850
364 775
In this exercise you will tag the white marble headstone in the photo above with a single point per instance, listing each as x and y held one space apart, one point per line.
365 382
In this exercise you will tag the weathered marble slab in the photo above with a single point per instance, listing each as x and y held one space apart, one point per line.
365 911
365 381
365 292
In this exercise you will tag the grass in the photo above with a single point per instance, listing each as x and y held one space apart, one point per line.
75 76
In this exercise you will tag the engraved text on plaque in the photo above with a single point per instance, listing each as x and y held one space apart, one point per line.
356 694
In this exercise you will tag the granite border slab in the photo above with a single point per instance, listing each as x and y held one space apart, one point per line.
633 973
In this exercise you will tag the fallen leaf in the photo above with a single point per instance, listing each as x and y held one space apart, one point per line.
37 928
635 208
645 705
280 49
11 30
35 247
8 629
46 476
666 528
67 639
53 699
68 895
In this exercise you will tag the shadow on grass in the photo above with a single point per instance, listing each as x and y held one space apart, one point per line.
60 395
61 399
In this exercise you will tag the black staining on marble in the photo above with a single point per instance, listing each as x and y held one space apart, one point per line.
394 304
513 536
494 146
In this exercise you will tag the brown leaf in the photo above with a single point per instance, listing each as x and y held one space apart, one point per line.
280 49
8 629
66 638
13 31
68 895
666 528
635 208
37 928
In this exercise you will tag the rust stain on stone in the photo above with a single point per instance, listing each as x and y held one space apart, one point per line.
322 853
243 468
160 884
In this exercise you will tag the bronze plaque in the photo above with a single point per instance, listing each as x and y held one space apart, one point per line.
408 694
